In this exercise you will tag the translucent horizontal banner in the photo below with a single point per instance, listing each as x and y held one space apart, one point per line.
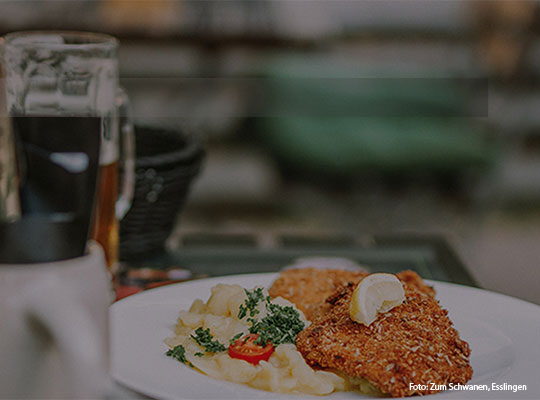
243 97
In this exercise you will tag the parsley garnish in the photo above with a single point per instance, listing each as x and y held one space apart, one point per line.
204 338
235 338
281 325
250 303
198 354
179 353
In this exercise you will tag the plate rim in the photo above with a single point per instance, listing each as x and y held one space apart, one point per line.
135 297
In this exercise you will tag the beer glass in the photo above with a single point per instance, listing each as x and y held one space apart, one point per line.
9 196
75 74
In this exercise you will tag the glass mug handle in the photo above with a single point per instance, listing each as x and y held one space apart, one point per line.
127 145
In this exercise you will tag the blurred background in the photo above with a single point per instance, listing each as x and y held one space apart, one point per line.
341 119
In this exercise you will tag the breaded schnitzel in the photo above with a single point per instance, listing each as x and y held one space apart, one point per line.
414 343
308 288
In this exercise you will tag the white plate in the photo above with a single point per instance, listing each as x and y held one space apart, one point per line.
503 332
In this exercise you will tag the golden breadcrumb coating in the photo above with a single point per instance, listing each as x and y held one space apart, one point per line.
307 288
414 342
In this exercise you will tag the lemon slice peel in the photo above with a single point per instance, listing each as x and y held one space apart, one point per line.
375 294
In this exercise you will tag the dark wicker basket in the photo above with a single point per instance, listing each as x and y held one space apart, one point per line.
166 163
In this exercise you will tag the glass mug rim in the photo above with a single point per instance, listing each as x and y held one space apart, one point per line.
76 40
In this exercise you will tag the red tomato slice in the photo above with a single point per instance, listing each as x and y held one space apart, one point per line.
246 349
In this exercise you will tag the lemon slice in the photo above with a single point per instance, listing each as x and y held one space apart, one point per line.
376 293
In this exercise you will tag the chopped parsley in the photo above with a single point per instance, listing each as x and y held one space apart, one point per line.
179 353
203 337
250 303
235 338
199 354
281 325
